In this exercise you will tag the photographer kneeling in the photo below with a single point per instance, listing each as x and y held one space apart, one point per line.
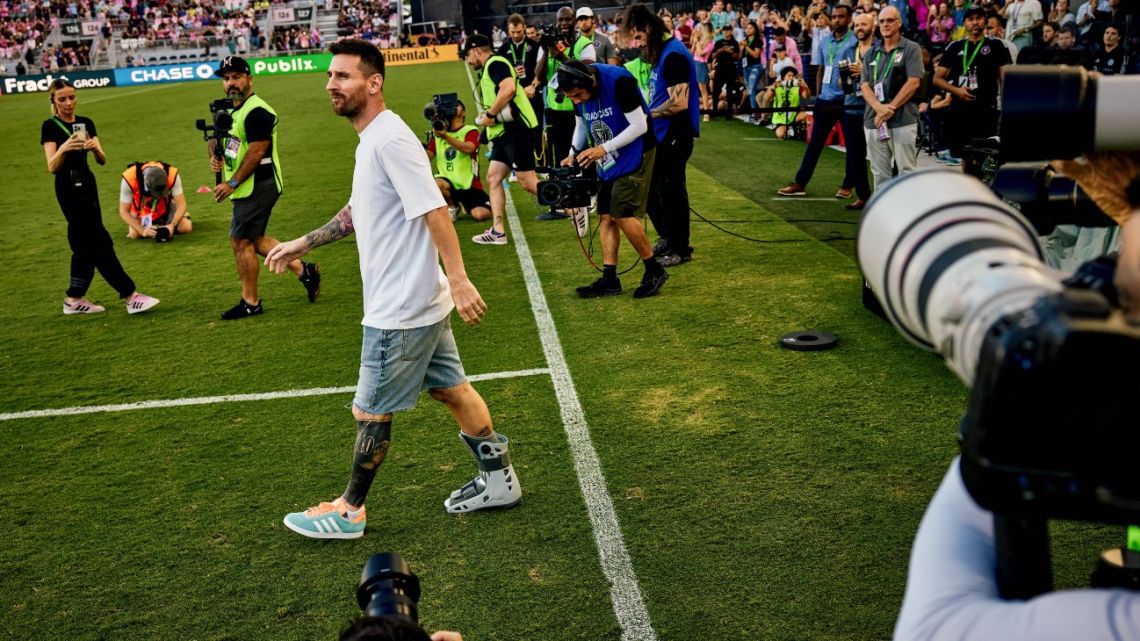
151 201
611 110
454 152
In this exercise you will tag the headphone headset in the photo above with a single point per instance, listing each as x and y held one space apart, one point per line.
575 75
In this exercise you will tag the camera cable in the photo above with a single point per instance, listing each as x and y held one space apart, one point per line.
834 236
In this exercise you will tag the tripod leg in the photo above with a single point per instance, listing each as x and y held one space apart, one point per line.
1024 569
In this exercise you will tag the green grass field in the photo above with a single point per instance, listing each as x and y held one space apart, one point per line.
762 493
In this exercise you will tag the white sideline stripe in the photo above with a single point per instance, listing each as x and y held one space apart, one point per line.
232 398
629 606
805 199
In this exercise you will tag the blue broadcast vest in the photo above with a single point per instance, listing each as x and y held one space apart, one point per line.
659 93
605 120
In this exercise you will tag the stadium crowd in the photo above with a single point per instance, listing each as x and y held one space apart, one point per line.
374 21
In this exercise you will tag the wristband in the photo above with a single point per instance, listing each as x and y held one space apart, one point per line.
232 182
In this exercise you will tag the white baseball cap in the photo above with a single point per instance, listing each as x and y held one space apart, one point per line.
584 12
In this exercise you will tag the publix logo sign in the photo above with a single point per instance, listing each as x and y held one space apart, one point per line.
292 64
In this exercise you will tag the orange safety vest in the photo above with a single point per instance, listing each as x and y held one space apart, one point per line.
133 176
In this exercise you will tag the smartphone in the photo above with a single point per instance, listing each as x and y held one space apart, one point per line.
80 129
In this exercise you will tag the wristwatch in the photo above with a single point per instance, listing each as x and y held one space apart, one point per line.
232 182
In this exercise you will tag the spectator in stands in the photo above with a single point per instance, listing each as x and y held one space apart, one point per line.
1067 51
726 52
1023 19
151 201
1060 13
701 46
1109 59
995 28
1041 53
780 36
892 72
752 57
776 68
939 27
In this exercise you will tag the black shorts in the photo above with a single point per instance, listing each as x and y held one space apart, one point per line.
469 198
625 197
514 148
251 214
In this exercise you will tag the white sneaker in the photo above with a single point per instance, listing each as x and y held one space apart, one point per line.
81 306
581 218
139 303
453 211
490 237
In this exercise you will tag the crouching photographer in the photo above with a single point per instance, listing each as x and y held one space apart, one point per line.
611 114
453 147
961 273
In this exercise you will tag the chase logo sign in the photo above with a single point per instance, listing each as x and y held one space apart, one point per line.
165 73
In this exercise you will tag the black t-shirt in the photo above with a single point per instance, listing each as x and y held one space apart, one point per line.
986 58
259 128
723 60
628 97
56 130
523 56
675 71
1109 62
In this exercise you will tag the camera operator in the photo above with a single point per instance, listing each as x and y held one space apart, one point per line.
609 107
952 592
789 93
892 73
251 179
454 151
674 105
556 49
521 50
508 120
151 201
970 71
834 85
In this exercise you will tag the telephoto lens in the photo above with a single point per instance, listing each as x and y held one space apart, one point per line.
388 589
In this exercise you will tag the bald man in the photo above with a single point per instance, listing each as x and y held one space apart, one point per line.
892 71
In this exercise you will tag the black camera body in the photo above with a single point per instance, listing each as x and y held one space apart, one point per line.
221 122
846 80
442 108
549 36
566 187
1049 433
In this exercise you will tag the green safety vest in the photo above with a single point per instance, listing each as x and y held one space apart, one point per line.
488 91
641 71
237 137
552 66
789 98
457 167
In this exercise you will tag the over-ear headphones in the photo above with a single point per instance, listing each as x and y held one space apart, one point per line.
575 74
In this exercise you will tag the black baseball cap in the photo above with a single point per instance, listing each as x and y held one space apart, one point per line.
232 63
475 41
975 10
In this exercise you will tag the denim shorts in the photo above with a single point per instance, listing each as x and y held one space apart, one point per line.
397 364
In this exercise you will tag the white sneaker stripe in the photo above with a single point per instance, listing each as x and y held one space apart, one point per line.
320 528
335 525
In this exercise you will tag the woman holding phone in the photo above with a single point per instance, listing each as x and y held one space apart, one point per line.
67 139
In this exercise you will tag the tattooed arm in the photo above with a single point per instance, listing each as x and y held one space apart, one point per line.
340 226
676 103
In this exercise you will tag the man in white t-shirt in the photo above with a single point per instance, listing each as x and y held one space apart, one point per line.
402 231
1023 17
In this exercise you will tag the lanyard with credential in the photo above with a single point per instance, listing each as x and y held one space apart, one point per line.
62 126
881 72
831 48
515 53
967 58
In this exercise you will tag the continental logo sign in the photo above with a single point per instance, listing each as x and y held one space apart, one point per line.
420 55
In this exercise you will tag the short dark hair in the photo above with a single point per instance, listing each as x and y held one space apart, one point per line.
371 60
842 5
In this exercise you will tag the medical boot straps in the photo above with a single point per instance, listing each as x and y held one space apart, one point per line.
496 485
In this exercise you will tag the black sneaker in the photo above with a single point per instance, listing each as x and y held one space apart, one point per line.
311 279
651 284
661 247
242 310
672 259
600 287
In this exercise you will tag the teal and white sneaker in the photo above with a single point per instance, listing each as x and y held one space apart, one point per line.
328 521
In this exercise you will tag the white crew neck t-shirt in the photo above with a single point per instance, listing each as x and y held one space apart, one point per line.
392 189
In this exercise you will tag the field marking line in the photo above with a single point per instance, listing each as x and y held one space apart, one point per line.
792 199
629 606
231 398
165 85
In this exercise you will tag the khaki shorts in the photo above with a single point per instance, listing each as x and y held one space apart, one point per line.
626 196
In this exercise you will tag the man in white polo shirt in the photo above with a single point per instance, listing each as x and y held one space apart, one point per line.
403 230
